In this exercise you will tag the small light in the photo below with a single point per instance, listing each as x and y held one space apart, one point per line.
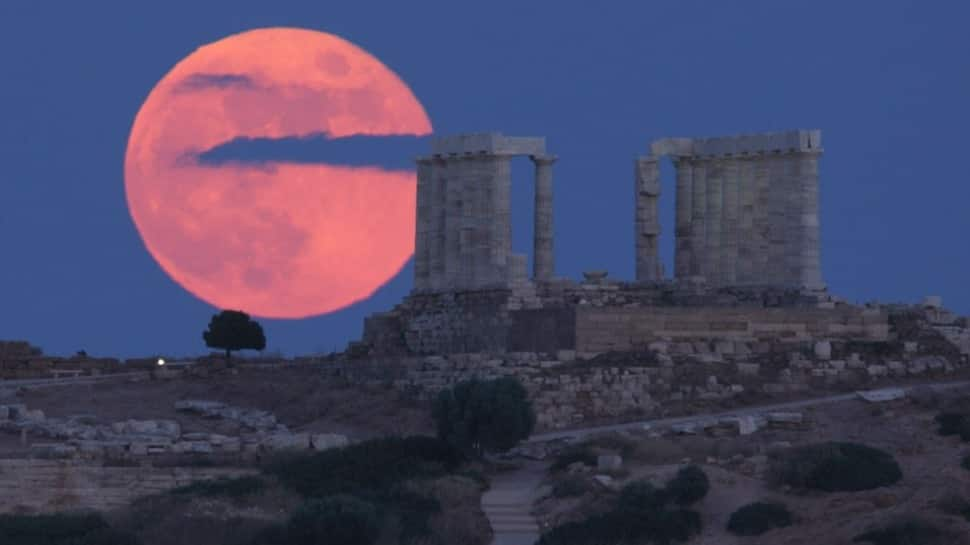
161 361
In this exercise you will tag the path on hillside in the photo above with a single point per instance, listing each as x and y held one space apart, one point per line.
73 381
740 411
508 505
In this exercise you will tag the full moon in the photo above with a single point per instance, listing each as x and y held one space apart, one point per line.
275 239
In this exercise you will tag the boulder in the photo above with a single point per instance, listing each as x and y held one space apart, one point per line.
609 462
53 450
885 394
604 480
286 441
198 405
823 350
325 441
748 424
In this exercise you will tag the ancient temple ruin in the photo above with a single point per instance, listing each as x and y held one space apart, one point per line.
464 223
746 209
746 262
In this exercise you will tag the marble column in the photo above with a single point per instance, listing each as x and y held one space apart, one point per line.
809 266
436 237
777 270
682 220
715 216
698 218
500 182
747 241
761 244
423 225
543 258
729 224
647 224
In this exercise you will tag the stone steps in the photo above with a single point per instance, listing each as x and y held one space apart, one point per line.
508 505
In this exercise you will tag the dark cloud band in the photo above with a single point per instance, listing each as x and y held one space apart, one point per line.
393 152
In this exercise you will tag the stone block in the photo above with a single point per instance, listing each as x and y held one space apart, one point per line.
53 450
748 369
609 462
877 370
785 418
749 424
910 347
605 480
823 350
566 355
286 441
885 394
198 405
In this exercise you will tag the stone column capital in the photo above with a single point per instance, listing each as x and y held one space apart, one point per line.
543 159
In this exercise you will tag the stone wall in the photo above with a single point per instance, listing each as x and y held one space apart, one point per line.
596 316
42 486
759 351
601 329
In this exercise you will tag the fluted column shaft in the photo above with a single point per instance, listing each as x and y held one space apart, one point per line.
543 258
647 224
423 226
682 219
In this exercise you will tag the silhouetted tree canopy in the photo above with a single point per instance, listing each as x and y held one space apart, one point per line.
478 416
234 330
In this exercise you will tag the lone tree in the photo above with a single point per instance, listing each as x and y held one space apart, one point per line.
234 330
478 416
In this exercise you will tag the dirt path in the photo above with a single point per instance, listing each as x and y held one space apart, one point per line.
742 411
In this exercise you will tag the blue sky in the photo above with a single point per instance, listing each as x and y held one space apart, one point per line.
887 82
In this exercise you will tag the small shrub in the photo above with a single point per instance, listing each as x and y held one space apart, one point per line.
570 487
573 454
230 488
640 497
605 528
953 423
834 467
757 518
910 532
954 504
688 486
336 520
641 516
60 529
479 416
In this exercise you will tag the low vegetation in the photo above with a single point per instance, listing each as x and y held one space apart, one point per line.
643 514
757 518
688 486
368 468
570 486
341 520
833 467
906 532
60 529
352 482
230 488
953 423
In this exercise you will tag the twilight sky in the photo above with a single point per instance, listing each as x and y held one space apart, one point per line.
887 82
